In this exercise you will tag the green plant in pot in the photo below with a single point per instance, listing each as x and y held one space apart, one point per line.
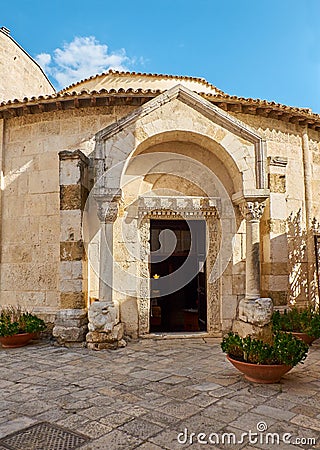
303 323
263 362
18 327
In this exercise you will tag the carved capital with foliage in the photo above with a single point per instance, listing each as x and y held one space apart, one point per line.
252 210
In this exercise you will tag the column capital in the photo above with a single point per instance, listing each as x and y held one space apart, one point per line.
251 203
107 205
252 210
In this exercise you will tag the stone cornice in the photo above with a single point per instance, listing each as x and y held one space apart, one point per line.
137 97
76 154
253 195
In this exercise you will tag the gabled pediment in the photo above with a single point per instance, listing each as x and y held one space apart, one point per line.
191 99
204 108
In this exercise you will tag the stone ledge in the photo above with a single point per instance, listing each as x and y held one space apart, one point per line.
72 313
70 323
74 154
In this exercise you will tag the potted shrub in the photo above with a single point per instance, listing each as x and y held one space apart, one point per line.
302 323
18 327
263 362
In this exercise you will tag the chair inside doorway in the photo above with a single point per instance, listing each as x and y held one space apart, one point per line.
183 309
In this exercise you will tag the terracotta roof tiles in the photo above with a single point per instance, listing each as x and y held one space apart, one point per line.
231 103
144 74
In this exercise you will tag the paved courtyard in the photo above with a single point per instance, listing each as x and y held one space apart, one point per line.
145 395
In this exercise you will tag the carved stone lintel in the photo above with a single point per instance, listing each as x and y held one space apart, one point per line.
174 206
252 210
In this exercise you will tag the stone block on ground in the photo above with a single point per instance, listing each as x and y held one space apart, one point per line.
257 312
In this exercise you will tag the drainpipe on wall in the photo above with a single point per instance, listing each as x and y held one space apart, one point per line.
307 169
1 184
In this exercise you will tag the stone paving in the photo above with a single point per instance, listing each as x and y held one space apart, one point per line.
144 395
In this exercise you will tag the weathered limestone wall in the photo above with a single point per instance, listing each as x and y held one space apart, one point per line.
30 242
20 75
288 248
30 201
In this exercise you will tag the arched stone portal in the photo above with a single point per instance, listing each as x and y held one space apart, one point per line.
182 123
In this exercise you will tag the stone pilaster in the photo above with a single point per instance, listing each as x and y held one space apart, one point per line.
71 321
274 268
105 328
107 213
1 181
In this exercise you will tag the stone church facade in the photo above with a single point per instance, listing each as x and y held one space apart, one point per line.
138 203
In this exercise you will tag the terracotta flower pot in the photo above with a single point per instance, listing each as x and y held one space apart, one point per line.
303 336
17 340
259 373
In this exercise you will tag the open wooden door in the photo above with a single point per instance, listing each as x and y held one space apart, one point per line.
185 308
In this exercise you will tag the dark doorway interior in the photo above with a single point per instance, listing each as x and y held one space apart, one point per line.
183 308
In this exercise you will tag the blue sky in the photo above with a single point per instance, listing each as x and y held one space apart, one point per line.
249 48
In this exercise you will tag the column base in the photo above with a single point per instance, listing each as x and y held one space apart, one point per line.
247 329
70 328
257 311
100 340
254 318
105 329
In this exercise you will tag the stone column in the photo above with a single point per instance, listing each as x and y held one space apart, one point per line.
105 328
254 312
252 212
71 320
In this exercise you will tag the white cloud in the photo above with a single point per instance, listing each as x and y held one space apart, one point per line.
80 59
44 60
